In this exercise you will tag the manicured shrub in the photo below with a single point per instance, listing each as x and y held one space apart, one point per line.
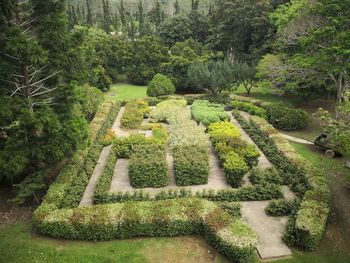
265 176
232 208
207 113
108 138
281 207
191 165
249 107
307 225
287 119
160 85
148 166
134 113
235 168
222 131
248 151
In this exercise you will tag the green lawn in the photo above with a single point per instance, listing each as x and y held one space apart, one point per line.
124 91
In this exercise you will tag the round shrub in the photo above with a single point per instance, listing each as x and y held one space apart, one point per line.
287 119
160 85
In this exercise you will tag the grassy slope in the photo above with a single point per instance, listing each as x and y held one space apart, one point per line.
124 91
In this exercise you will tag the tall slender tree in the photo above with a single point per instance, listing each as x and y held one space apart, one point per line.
89 16
177 7
141 18
122 13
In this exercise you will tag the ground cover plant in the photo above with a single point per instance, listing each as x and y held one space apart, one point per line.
207 113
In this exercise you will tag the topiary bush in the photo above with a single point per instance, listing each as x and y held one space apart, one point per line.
160 85
287 119
148 166
250 108
235 168
207 113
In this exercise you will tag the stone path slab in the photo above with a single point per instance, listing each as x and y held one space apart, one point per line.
295 139
87 199
117 126
269 229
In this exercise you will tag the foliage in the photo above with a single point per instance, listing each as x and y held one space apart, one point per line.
231 237
108 138
213 76
160 85
148 53
175 29
287 118
148 166
232 208
281 207
307 225
245 74
241 28
235 168
222 131
134 113
207 113
266 176
250 108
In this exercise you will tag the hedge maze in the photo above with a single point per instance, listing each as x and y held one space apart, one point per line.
188 136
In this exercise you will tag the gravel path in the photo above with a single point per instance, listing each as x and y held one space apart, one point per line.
87 199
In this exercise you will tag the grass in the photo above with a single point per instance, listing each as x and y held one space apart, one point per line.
18 244
125 91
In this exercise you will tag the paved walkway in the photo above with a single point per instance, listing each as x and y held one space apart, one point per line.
87 199
216 180
116 125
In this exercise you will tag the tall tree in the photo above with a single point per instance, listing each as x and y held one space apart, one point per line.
141 18
106 16
121 9
89 16
176 7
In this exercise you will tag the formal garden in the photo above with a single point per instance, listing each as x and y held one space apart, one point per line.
175 131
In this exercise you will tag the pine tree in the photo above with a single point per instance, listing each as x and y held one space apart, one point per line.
157 14
79 14
106 16
177 7
75 19
141 18
194 5
89 17
131 28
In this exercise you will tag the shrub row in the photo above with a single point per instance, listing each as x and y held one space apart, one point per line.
134 113
307 225
188 141
280 116
69 186
250 108
227 234
207 113
249 193
265 176
281 207
148 166
236 155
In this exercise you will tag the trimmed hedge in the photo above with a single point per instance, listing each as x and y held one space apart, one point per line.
281 207
148 166
191 165
227 234
307 225
134 113
223 131
250 108
207 113
188 141
235 168
266 176
287 119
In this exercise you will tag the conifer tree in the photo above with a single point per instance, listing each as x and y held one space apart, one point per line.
177 7
89 16
122 13
141 18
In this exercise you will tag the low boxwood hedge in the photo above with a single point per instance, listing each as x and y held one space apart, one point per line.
235 168
207 113
250 108
281 207
223 131
134 113
227 234
148 166
307 225
191 165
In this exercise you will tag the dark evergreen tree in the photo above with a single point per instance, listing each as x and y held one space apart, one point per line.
141 19
177 7
106 16
122 13
89 16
